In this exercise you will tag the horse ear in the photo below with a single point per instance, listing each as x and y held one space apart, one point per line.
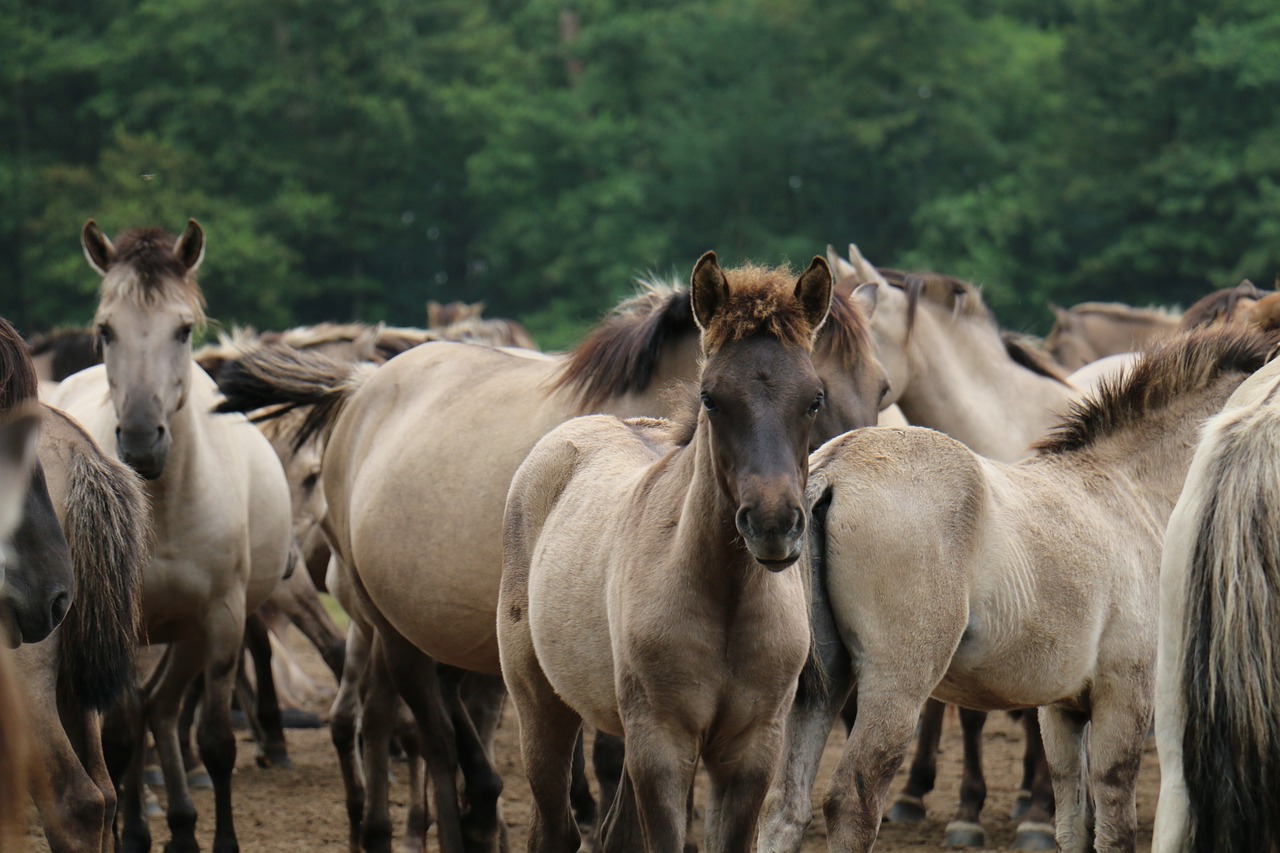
833 259
866 295
1062 315
98 250
708 290
813 292
189 250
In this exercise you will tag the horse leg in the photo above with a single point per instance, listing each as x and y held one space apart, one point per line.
909 805
475 712
378 703
124 745
343 717
84 728
418 819
661 761
1063 733
416 678
965 829
738 789
584 805
214 735
162 703
1035 832
1119 725
608 755
298 599
197 776
275 751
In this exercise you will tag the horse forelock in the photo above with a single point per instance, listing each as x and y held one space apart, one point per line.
18 382
1183 364
761 301
146 271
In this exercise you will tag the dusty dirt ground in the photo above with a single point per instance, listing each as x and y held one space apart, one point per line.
302 809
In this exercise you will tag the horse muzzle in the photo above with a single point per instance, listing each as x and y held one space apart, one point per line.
144 449
26 621
775 539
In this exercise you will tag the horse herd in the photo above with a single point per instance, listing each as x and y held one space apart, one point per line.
684 534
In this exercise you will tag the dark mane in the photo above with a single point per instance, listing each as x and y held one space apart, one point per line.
1170 368
148 254
18 382
619 357
72 349
1218 305
958 296
1025 353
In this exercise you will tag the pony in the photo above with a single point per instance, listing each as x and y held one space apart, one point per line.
460 321
999 586
219 503
645 585
1089 331
1228 305
1216 671
443 428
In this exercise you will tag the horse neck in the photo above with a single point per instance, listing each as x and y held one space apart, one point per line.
963 383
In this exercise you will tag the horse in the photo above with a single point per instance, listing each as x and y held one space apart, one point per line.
67 679
443 427
219 503
63 352
998 586
953 370
459 321
1089 331
645 585
1216 670
1228 305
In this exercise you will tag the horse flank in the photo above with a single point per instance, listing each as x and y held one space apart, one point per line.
1230 677
1170 368
107 532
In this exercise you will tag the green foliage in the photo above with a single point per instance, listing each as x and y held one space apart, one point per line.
354 159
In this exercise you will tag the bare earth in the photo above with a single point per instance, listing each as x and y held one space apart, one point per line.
281 811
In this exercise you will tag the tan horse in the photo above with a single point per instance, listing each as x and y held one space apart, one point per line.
1084 333
998 587
442 429
1216 675
219 500
461 321
644 585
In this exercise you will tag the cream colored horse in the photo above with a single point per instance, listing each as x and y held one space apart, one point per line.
644 586
423 450
998 587
219 500
1084 333
1217 682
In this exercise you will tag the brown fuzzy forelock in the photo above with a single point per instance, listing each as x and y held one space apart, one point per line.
149 251
761 301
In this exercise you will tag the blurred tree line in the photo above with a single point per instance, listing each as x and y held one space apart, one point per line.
353 158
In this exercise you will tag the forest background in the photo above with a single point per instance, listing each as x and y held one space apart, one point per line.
350 159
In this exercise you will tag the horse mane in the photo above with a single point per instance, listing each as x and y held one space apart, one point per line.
1218 305
620 355
18 382
1170 368
107 533
1025 352
1126 313
440 314
149 270
958 296
73 350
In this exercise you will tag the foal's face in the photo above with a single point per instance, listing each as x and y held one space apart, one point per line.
761 399
147 351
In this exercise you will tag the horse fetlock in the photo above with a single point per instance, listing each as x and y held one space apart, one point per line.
1021 805
963 833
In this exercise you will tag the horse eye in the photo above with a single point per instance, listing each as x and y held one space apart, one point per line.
310 482
884 392
105 334
709 404
817 403
184 334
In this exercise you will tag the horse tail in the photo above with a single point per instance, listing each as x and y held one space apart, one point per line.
1231 655
280 378
815 678
106 520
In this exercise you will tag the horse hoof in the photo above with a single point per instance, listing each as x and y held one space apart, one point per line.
273 758
292 718
906 810
1021 805
199 780
153 776
962 833
1035 836
151 804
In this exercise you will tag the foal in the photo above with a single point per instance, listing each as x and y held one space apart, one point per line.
645 585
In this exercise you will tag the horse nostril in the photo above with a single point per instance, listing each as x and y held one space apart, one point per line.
797 522
58 610
160 431
743 520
